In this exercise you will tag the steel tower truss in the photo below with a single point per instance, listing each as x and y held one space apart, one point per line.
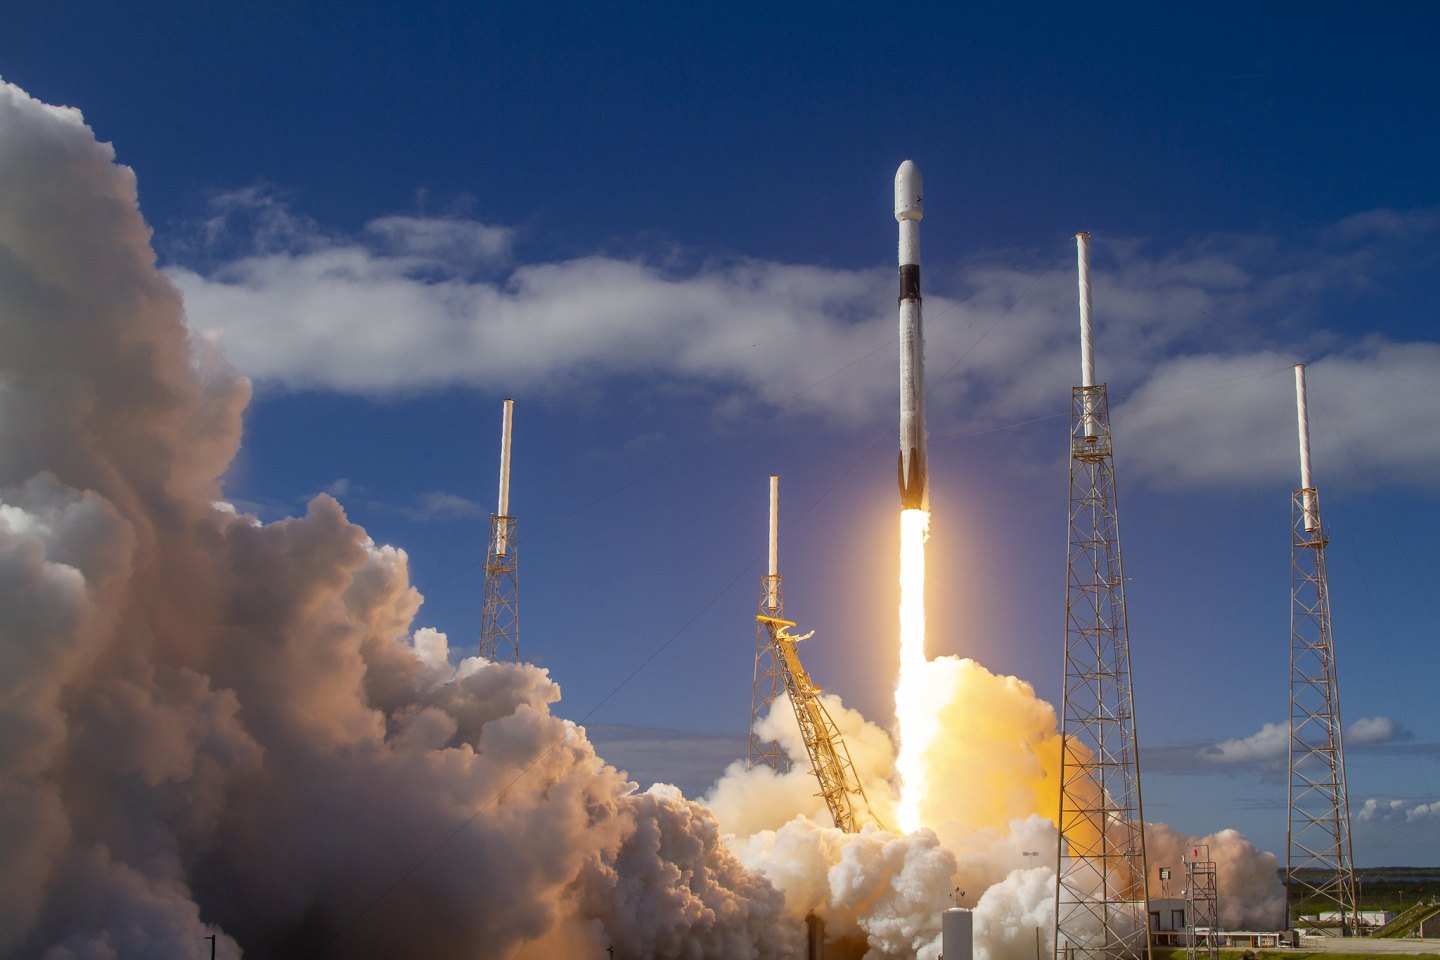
500 616
1318 866
769 677
1102 909
839 784
1202 905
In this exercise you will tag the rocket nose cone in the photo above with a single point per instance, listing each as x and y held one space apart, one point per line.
909 192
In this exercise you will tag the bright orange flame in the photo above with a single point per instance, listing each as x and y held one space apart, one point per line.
916 717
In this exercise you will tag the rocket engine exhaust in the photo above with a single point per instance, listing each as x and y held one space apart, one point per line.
909 208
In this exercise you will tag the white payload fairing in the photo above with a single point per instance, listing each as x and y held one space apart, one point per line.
914 474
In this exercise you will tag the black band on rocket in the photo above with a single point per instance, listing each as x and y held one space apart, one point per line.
910 281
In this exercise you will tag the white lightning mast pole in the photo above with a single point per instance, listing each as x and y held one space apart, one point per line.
772 600
1087 331
1307 485
502 510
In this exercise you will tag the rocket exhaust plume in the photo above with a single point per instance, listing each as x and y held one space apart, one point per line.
914 718
914 715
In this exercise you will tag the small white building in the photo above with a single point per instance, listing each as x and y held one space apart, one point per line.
1167 929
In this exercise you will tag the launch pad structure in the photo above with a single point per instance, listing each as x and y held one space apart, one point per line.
1101 901
1319 867
840 785
500 611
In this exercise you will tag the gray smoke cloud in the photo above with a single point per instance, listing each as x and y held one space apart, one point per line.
215 727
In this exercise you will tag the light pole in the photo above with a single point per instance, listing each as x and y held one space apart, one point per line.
1032 857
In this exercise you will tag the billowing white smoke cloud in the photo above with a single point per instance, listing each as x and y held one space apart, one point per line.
210 726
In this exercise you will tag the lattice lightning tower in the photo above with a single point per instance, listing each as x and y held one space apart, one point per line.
769 680
1101 905
1318 865
500 615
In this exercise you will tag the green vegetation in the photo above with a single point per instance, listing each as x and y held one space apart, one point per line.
1396 889
1286 953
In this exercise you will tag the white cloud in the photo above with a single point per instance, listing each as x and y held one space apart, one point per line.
1423 810
1381 810
1271 743
1397 811
1267 745
1374 730
1196 342
1231 419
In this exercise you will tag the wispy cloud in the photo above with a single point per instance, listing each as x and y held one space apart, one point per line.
439 505
1267 749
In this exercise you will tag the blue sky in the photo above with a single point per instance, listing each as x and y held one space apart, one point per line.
673 224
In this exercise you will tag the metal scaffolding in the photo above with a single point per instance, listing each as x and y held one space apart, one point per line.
500 613
1101 904
1319 874
1202 905
769 680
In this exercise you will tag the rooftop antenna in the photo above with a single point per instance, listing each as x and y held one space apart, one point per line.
500 614
1319 872
1101 904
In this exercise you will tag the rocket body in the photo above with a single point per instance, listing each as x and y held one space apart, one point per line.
914 472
